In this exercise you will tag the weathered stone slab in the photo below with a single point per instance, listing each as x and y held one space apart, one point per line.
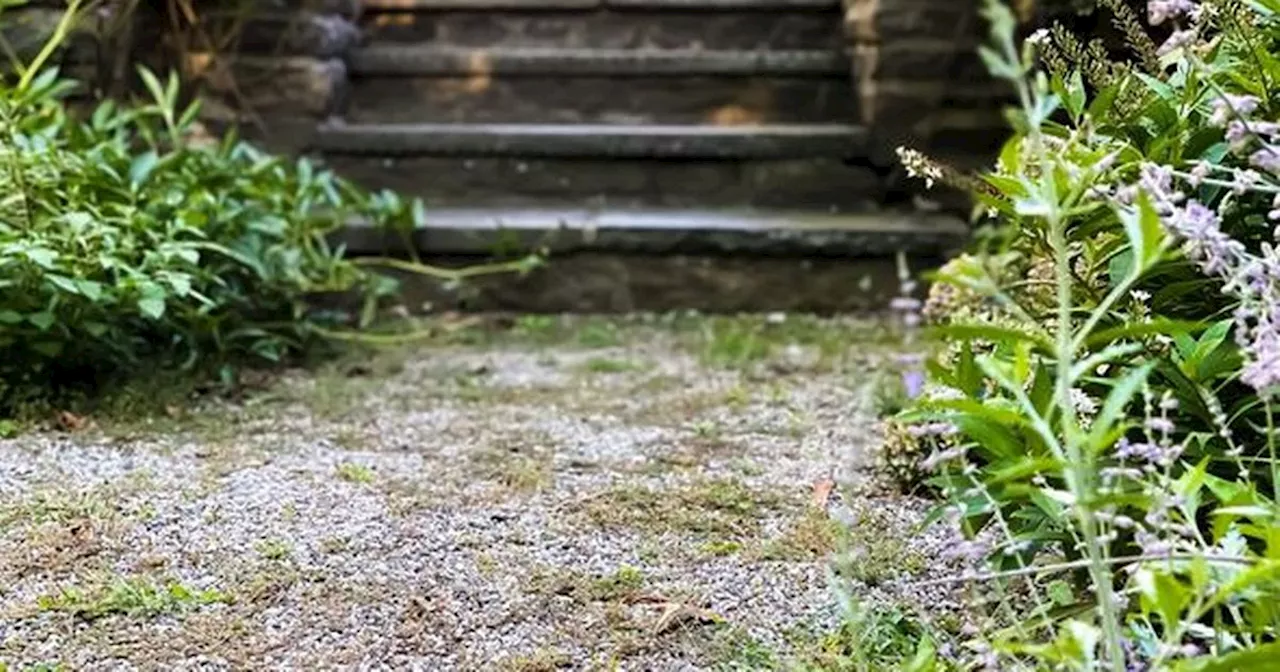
821 185
748 232
704 5
550 99
287 33
413 60
291 86
616 283
610 29
345 8
778 141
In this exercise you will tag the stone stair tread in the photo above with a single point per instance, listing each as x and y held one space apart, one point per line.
436 60
592 140
554 5
480 230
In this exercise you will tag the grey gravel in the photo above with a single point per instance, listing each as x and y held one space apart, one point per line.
435 552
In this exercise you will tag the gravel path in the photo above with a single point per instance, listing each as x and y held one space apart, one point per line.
562 502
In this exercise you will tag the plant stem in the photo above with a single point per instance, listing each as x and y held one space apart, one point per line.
1080 468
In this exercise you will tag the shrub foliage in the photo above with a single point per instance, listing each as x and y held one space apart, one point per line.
128 241
1110 363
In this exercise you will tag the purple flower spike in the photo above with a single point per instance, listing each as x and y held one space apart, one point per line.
913 381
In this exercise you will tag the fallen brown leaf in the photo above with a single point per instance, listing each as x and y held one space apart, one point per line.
73 423
822 489
675 614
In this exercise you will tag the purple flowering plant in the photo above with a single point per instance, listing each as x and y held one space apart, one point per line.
1109 399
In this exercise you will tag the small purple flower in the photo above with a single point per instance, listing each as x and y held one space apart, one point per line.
1232 107
1176 41
1237 135
931 429
913 381
1198 174
1263 371
905 304
1267 158
936 459
1159 11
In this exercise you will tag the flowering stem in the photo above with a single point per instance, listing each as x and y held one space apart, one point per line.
1079 469
1123 561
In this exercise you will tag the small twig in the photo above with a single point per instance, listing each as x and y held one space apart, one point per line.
445 273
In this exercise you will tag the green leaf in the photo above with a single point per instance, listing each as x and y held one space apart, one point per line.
1161 593
42 320
1157 326
1145 234
1260 658
10 317
62 282
1060 592
152 307
141 167
925 658
1073 97
153 85
92 290
1118 401
995 334
42 257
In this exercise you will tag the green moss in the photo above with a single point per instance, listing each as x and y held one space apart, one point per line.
720 548
518 464
609 365
721 508
622 584
810 537
274 549
542 660
355 473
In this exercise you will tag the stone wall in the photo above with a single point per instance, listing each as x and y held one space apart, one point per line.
251 61
277 65
919 80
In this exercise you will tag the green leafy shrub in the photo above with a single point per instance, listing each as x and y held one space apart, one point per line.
1108 388
123 242
129 243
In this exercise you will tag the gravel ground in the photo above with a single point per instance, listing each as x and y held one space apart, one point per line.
521 504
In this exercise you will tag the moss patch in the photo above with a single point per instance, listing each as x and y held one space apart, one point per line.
719 508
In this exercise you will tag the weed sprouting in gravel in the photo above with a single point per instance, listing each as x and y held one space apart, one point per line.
139 596
353 472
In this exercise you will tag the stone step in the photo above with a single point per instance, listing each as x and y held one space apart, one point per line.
404 60
816 184
674 26
550 99
663 260
771 141
374 6
480 231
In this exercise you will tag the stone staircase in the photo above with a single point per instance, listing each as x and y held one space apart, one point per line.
633 104
667 153
625 126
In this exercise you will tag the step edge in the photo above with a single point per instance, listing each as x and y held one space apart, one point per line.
591 140
479 231
376 6
410 60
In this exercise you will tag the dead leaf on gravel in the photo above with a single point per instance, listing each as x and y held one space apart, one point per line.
822 489
676 614
73 423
